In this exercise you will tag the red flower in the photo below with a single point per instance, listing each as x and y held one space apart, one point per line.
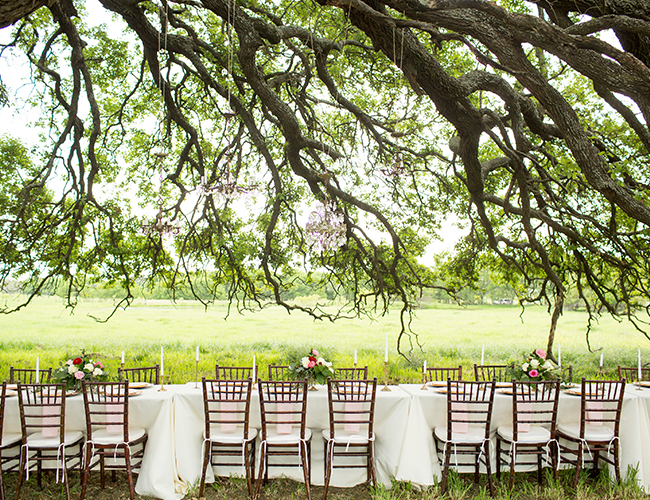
77 361
312 358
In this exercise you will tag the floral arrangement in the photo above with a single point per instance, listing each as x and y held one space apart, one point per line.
312 367
535 367
73 371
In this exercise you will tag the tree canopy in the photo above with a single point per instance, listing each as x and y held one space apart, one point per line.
333 136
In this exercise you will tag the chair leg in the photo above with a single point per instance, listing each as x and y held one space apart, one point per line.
371 458
578 464
596 458
21 472
207 452
2 489
513 462
247 467
306 459
445 470
65 479
85 474
539 464
102 470
262 471
488 467
498 471
328 467
129 472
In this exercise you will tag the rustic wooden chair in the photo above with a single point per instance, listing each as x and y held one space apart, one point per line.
469 415
233 372
596 435
279 372
283 410
9 444
441 374
534 417
486 373
148 374
226 404
350 434
631 374
351 373
44 438
28 376
108 434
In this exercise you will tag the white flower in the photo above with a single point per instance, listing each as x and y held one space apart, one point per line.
524 367
327 363
89 367
547 366
72 369
97 372
305 362
534 363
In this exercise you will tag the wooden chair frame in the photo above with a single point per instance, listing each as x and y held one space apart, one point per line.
233 372
279 373
607 397
360 373
469 404
631 374
241 443
293 393
9 444
441 374
34 401
106 405
534 406
486 373
351 417
28 376
149 374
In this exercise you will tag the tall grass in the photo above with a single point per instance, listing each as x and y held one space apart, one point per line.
449 335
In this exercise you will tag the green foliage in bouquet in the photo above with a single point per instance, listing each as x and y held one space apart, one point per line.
312 367
76 370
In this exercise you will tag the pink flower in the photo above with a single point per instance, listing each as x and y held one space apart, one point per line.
69 362
541 353
99 364
314 352
79 375
533 373
311 364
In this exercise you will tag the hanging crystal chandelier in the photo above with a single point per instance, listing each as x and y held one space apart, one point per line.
326 229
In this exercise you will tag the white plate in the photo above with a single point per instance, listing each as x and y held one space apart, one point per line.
139 385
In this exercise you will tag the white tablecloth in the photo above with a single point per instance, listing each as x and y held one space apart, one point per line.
391 416
419 463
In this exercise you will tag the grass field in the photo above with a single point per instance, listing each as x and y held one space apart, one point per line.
449 335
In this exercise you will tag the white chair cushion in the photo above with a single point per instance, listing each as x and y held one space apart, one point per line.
592 432
475 434
346 437
218 436
104 437
535 434
272 436
37 440
11 439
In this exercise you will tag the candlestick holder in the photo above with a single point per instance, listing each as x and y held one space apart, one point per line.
121 372
424 382
162 384
196 375
386 388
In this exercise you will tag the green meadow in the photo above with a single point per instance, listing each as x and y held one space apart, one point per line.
448 335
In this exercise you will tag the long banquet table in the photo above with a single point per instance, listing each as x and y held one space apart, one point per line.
404 445
174 421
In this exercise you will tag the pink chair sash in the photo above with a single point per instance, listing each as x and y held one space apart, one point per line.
227 407
523 417
352 407
114 419
51 416
284 427
462 426
594 412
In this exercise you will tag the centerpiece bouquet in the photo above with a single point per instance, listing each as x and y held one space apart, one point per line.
74 370
312 367
535 368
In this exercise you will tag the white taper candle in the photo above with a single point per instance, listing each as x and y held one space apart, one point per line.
483 354
162 361
386 351
122 357
197 353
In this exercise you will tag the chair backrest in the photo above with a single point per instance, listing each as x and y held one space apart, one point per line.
28 376
601 404
150 374
3 396
469 403
42 409
352 406
107 407
485 373
233 372
438 374
351 373
632 374
534 403
283 404
227 404
279 372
